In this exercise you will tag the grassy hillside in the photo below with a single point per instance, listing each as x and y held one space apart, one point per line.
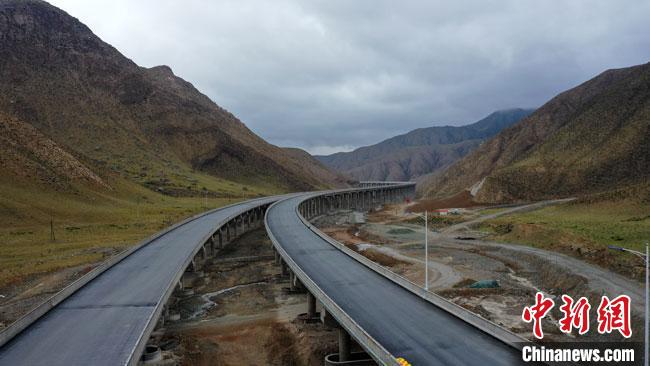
421 151
593 138
585 228
108 152
89 224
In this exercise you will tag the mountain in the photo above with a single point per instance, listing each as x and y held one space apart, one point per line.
27 153
589 139
113 116
316 169
422 151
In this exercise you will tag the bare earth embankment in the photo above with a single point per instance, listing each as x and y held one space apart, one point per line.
458 259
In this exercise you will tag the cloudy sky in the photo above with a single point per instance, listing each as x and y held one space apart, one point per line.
333 75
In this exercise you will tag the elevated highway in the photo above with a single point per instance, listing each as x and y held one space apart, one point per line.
107 317
108 320
385 318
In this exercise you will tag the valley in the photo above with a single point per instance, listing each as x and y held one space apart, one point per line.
309 242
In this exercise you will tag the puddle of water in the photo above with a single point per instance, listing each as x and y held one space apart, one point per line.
209 304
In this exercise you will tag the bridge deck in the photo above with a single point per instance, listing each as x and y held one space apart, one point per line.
406 325
102 323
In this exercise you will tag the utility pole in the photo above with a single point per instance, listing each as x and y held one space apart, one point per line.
646 330
52 238
426 251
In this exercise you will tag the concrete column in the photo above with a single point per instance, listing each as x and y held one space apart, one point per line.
292 281
285 269
210 246
276 256
344 345
311 305
201 253
221 238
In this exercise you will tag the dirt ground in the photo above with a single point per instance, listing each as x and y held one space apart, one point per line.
241 314
393 238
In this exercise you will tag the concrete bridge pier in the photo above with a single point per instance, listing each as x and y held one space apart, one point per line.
285 268
311 305
212 245
276 257
201 256
344 345
292 281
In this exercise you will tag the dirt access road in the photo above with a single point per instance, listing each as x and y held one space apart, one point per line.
390 238
599 279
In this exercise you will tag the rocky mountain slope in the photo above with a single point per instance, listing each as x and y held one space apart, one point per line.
147 125
28 154
592 138
421 151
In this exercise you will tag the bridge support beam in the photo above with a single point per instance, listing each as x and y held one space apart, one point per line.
292 281
344 345
311 305
285 269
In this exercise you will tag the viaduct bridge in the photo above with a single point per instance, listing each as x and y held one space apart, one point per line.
107 316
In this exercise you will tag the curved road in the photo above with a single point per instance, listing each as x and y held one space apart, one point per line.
104 321
403 323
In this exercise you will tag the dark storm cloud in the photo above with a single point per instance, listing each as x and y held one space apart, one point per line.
328 75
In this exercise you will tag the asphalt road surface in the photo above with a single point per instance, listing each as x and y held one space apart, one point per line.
406 325
102 323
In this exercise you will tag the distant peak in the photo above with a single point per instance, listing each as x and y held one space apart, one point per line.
163 69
